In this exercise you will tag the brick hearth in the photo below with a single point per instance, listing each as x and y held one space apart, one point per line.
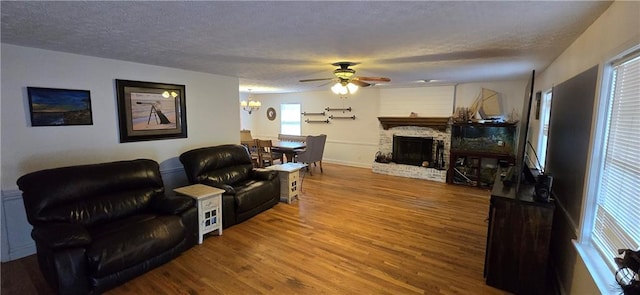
386 146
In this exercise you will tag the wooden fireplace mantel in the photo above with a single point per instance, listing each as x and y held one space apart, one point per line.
431 122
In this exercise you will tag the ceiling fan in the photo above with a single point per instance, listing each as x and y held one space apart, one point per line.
346 81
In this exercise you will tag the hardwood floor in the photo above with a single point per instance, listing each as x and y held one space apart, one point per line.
352 231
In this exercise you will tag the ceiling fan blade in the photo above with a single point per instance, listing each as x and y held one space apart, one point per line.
325 84
360 83
375 79
313 80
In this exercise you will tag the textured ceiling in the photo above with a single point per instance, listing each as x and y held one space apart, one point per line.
272 45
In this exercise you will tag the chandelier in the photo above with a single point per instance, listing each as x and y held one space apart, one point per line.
250 105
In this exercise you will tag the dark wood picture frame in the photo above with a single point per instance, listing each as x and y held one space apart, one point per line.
151 111
271 114
59 107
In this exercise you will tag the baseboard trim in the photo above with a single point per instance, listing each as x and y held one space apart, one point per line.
10 195
347 163
17 252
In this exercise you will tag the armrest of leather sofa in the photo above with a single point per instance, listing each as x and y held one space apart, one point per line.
264 174
228 190
172 204
61 235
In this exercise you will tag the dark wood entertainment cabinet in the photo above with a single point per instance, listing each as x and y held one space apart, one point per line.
518 238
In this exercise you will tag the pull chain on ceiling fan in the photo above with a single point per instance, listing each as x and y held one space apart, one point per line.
346 81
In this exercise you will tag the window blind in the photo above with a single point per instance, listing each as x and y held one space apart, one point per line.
617 218
290 118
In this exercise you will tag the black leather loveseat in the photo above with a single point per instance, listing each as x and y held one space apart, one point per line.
248 190
97 226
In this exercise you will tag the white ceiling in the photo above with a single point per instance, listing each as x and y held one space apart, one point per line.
271 45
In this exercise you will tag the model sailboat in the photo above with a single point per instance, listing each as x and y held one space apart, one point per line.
487 104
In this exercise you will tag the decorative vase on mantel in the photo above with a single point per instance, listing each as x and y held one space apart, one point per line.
462 115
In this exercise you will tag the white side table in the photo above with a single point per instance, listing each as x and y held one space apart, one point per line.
209 200
290 184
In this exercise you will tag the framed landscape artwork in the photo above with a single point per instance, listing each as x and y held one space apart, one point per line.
151 111
59 107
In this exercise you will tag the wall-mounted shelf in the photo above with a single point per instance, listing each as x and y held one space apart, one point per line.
313 114
317 121
342 117
330 109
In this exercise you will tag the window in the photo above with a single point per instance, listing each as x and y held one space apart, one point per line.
290 118
616 219
545 115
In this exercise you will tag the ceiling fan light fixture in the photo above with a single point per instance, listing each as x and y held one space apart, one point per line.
347 81
344 73
338 88
344 88
352 88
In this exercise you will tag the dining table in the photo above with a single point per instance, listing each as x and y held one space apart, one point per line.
288 148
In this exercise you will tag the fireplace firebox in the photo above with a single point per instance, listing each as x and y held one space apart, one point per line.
411 150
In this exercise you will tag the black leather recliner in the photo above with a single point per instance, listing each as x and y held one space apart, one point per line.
97 226
248 190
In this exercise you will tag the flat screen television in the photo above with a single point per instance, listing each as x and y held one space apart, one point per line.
521 167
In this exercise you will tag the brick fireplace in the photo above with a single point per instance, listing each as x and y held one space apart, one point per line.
436 128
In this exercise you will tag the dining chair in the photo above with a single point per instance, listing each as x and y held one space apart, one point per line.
278 154
313 152
245 135
266 154
252 147
288 137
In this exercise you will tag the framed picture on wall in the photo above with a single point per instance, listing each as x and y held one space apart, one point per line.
271 114
59 107
151 111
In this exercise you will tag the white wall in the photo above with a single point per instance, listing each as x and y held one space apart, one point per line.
441 101
617 29
435 101
212 118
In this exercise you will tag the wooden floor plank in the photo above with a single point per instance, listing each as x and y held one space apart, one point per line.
351 232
